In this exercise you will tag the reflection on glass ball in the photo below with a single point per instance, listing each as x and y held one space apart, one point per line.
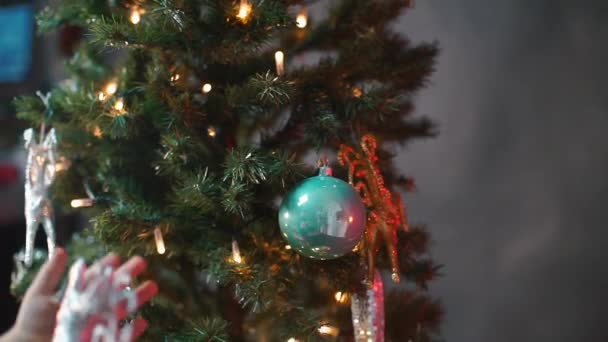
322 218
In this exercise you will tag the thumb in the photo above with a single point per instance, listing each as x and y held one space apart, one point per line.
50 274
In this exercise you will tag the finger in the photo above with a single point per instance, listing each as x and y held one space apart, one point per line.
86 333
50 274
133 267
143 294
111 260
44 308
139 326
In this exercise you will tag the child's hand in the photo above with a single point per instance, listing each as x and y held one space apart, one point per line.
36 318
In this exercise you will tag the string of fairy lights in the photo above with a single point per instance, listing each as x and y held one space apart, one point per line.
118 107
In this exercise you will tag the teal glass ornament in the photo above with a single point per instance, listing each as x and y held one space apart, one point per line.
323 217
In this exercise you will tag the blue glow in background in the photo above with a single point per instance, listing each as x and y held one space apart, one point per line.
16 31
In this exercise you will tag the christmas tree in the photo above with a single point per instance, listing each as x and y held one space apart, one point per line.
186 125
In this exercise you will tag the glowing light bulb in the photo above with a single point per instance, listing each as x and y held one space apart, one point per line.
236 253
160 242
97 132
135 17
207 88
119 105
302 19
341 297
101 96
244 11
111 88
279 59
291 339
211 131
357 92
174 78
81 202
287 247
328 330
62 164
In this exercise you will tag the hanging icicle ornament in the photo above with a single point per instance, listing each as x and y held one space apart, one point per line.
368 312
39 175
89 305
323 217
386 209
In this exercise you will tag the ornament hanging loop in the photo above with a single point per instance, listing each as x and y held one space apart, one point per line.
324 168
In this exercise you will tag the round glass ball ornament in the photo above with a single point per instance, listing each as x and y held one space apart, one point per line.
323 217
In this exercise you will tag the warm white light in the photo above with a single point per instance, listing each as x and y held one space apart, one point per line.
119 105
97 132
350 219
302 19
135 17
211 131
207 88
341 297
160 242
244 11
292 340
81 202
174 77
111 88
101 96
328 330
279 59
62 165
288 247
236 253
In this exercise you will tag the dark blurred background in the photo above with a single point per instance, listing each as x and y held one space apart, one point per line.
513 189
28 62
